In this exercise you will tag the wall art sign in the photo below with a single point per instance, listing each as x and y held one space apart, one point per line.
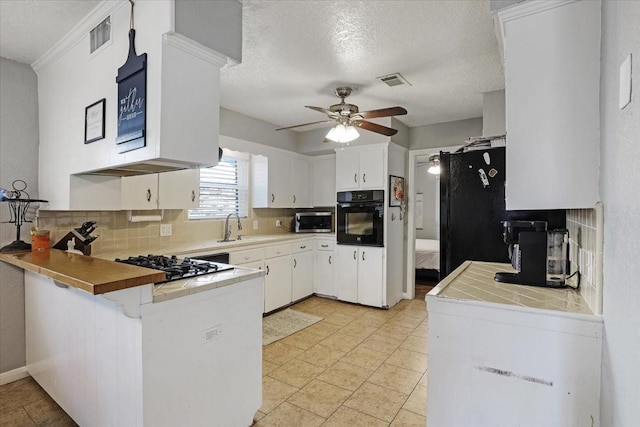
396 191
132 92
94 121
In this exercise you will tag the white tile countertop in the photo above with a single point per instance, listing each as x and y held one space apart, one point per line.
473 281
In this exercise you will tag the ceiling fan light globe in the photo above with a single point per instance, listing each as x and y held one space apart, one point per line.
350 134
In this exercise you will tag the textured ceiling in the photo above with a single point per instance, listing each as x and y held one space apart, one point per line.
296 52
29 28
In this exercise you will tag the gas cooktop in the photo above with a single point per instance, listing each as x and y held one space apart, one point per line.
175 268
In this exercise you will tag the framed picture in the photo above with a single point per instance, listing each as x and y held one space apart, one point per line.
396 191
94 121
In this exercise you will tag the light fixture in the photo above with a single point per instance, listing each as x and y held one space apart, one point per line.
434 159
342 133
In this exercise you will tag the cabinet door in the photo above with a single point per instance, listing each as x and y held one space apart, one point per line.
324 284
324 182
140 192
370 278
279 195
346 279
300 183
552 107
256 265
347 176
277 283
179 189
372 170
302 275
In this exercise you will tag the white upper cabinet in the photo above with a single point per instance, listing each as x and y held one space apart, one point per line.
552 68
324 181
281 181
168 190
300 183
361 167
182 99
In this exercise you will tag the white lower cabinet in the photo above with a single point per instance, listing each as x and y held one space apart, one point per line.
277 282
325 260
359 276
302 270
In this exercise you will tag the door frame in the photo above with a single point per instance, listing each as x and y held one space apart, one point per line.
411 205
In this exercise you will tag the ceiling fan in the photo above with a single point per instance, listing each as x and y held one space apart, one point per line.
347 116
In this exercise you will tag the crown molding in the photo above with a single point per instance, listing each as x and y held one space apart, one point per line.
196 49
531 7
77 33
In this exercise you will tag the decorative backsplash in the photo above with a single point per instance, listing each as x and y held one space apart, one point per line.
117 233
586 229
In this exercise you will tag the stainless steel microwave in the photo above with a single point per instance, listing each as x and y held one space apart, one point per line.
313 222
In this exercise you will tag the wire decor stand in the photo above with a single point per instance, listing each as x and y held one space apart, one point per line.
19 201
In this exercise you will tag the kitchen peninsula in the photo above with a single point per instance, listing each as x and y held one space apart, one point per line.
110 353
503 354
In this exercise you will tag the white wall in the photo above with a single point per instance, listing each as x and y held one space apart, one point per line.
619 184
426 183
444 134
18 160
247 128
493 113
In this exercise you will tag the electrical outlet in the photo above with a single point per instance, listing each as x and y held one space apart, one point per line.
255 224
278 223
165 230
212 333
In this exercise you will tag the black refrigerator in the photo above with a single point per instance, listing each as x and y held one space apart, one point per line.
472 208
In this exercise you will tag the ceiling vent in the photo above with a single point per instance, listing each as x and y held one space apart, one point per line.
394 79
100 34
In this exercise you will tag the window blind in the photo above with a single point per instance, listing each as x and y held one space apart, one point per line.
224 189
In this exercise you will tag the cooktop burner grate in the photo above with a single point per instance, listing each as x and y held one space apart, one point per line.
175 268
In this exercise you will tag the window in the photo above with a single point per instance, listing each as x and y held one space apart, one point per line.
224 188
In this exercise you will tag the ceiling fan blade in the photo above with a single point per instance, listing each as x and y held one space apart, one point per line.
307 124
383 112
323 110
374 127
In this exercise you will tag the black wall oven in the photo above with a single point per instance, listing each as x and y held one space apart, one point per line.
360 218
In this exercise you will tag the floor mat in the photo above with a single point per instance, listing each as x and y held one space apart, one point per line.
284 323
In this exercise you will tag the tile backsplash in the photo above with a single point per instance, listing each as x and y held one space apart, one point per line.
586 227
118 233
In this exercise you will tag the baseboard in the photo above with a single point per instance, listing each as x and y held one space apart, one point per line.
13 375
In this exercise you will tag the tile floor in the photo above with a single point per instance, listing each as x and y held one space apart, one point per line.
359 366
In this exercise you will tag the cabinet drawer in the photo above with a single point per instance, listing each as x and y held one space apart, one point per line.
243 257
255 265
277 250
325 245
302 246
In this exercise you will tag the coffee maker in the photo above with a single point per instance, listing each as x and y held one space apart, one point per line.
539 256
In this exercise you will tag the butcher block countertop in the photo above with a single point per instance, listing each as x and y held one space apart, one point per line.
93 275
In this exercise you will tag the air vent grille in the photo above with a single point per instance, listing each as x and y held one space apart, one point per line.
100 34
395 79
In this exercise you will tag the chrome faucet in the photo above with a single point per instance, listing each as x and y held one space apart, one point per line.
227 230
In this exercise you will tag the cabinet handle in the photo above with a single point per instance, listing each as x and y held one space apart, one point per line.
324 246
60 285
364 177
193 196
355 254
355 177
148 194
294 198
267 270
295 263
273 198
329 259
363 255
393 217
303 247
